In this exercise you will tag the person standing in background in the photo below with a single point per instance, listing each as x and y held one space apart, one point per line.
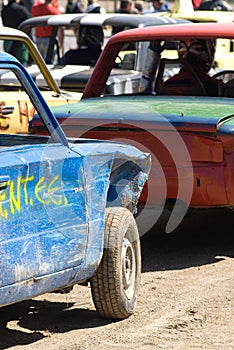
54 3
73 8
196 3
126 6
42 34
160 6
12 15
69 6
27 3
139 7
94 7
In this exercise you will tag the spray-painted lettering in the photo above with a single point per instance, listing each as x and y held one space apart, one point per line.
23 192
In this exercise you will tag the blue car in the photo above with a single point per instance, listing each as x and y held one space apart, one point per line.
67 211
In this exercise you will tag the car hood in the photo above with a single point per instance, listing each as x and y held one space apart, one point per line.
194 114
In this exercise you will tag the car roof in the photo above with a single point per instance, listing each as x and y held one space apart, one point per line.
75 20
96 19
176 32
206 16
7 33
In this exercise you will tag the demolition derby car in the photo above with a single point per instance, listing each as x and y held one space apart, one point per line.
14 95
66 209
64 84
190 136
126 73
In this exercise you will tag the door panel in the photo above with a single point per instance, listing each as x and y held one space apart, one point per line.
42 211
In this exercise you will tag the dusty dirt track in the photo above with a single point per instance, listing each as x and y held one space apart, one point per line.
186 299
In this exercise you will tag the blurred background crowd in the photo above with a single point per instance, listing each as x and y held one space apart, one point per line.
89 38
126 6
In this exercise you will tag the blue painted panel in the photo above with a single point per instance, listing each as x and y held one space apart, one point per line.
43 214
52 204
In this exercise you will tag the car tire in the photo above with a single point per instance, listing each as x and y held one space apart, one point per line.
116 282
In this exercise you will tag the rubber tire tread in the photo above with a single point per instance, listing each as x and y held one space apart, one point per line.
106 285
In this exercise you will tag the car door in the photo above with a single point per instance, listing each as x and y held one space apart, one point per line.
43 223
42 210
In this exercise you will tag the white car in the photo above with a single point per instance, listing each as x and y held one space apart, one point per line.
124 77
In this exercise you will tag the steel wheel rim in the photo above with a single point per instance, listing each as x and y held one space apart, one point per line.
128 268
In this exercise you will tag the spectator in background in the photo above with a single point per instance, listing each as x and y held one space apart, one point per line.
42 34
12 15
196 3
27 3
160 6
94 7
54 3
139 6
69 6
73 8
126 6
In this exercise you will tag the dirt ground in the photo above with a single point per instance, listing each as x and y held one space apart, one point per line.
185 302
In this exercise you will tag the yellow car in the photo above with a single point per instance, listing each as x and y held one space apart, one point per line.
12 94
64 84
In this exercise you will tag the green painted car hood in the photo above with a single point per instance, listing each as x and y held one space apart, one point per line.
182 112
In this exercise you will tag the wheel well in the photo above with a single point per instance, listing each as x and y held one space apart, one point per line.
126 184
